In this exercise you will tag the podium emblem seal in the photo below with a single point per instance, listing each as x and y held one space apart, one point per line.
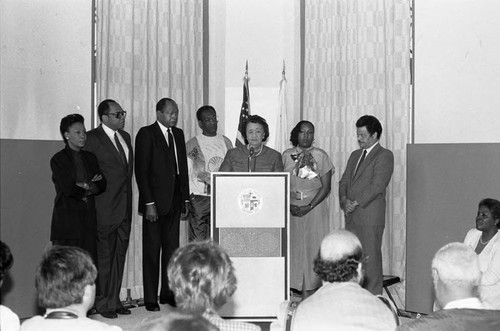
250 201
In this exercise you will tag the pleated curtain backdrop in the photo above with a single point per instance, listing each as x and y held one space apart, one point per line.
357 62
148 50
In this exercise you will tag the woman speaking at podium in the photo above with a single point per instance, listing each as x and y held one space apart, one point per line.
254 156
310 183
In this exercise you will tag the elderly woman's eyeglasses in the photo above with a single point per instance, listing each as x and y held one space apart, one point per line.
119 114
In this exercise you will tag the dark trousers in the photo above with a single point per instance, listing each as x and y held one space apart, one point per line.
199 217
112 245
87 243
371 240
158 237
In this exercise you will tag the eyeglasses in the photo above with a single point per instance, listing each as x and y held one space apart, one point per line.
118 115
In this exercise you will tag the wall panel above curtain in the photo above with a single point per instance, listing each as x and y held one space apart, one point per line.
357 62
148 50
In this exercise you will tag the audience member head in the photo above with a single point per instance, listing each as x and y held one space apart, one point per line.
167 112
488 215
256 131
340 258
294 135
207 120
65 277
73 131
176 321
456 273
201 276
6 260
111 114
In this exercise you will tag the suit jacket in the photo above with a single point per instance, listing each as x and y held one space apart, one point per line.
369 185
456 320
71 213
154 168
114 205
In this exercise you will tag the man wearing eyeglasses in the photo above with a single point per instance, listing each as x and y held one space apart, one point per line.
205 154
113 149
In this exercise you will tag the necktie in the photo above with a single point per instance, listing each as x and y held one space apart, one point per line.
171 147
120 150
360 161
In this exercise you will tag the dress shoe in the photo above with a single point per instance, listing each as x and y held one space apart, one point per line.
152 306
168 300
108 314
92 311
123 311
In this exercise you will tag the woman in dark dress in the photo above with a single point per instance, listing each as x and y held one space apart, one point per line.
77 178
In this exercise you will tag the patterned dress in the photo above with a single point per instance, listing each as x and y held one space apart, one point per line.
306 233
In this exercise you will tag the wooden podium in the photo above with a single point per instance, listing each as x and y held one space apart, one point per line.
250 221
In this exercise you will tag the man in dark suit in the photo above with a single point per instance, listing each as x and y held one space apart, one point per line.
162 179
456 276
362 196
113 149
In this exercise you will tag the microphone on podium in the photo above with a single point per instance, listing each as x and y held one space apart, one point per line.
250 154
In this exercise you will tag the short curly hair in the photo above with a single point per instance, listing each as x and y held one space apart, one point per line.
201 275
341 270
259 120
6 259
294 135
68 121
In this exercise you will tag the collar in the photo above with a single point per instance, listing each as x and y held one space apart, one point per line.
164 129
109 132
368 150
473 303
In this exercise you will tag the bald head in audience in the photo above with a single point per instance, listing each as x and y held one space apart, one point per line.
339 258
456 273
341 303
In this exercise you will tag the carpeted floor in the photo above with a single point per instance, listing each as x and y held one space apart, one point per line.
139 314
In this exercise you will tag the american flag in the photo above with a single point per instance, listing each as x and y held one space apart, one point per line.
245 111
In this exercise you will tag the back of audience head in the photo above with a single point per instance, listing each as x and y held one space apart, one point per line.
201 276
340 258
175 321
6 260
63 276
455 272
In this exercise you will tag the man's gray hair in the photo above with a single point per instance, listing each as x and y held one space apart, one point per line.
457 265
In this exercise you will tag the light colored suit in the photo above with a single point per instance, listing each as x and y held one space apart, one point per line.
342 306
368 188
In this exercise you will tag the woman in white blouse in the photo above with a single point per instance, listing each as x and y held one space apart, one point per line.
485 240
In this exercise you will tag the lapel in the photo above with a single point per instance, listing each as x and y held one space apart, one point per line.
161 139
130 152
369 159
108 144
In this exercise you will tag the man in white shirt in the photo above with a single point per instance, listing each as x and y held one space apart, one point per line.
65 286
205 153
113 148
456 276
